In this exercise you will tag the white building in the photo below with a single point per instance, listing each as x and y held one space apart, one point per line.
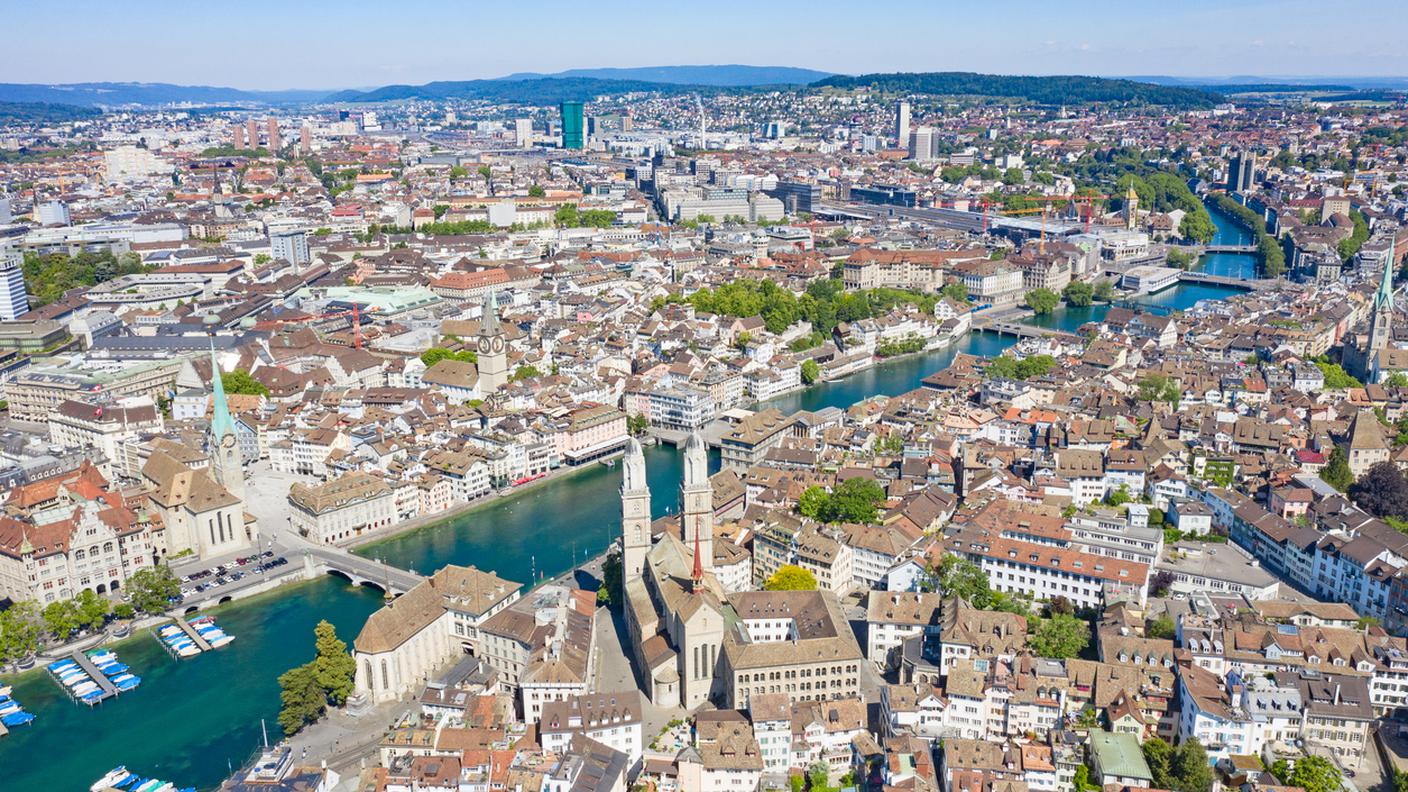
341 509
14 300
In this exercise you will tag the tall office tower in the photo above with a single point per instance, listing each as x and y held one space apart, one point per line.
523 132
901 123
305 140
1240 172
275 142
237 137
291 246
14 300
921 144
574 125
251 131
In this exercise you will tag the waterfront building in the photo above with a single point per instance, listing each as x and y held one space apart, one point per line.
412 636
341 509
70 532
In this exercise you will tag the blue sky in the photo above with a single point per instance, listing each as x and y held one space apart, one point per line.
354 43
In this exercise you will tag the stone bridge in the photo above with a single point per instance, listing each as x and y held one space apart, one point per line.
358 570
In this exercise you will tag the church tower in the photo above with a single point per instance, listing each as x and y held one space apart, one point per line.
1381 324
225 461
1131 209
635 512
697 501
492 353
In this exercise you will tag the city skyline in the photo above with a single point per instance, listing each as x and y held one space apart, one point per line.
1197 39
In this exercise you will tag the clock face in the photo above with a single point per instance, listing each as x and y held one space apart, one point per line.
228 441
498 344
484 345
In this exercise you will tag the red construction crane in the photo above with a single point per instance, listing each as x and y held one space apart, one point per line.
355 312
1088 200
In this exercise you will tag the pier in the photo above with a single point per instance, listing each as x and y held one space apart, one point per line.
191 633
99 678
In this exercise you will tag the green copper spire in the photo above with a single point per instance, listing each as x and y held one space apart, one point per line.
220 423
1384 299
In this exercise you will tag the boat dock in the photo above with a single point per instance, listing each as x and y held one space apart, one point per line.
191 633
106 689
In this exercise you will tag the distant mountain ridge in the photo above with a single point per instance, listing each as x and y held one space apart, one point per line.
720 75
1046 89
112 94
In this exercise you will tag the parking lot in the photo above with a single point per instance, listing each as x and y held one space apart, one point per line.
200 581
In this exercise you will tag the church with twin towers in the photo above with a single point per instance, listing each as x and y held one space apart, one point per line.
674 604
699 633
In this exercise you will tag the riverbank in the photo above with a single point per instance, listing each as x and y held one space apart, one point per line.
362 544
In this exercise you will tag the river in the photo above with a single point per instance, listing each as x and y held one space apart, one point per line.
1179 297
192 720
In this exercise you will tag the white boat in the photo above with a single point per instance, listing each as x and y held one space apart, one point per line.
4 690
9 707
114 777
222 641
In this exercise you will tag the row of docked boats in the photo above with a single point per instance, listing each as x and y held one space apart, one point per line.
76 682
123 780
182 641
11 712
105 660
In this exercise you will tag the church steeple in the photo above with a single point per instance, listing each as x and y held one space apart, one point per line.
697 496
635 511
492 351
1380 324
225 462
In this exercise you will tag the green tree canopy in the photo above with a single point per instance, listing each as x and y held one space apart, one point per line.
333 665
790 578
1060 636
241 382
1042 301
20 631
811 372
436 354
150 590
1336 472
1078 294
303 699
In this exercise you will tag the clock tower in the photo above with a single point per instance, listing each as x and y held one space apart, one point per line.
635 511
491 349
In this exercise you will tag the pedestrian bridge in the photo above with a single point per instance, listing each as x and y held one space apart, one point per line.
359 571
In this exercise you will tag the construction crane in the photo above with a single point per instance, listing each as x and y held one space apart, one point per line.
355 312
1088 200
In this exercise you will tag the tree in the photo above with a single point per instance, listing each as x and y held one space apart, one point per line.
61 618
303 699
1042 301
955 290
91 610
812 501
1104 290
240 381
1159 756
956 576
1162 628
1336 378
536 191
1160 583
853 500
1182 259
151 590
20 631
1189 768
333 666
1013 176
1382 491
818 774
1078 294
436 354
789 577
610 591
1336 472
637 424
1311 773
526 372
1061 636
811 372
1081 781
